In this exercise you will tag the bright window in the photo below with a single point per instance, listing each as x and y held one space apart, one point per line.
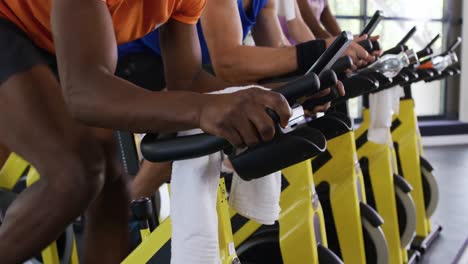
430 18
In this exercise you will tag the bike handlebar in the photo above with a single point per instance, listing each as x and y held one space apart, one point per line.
408 36
189 147
332 53
373 23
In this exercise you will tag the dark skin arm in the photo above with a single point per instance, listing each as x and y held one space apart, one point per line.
298 29
95 96
267 31
311 21
329 22
183 65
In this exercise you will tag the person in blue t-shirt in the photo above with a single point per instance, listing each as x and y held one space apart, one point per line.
225 24
222 29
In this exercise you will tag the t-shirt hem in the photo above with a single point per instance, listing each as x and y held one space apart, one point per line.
185 19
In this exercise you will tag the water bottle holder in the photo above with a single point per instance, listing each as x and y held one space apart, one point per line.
283 151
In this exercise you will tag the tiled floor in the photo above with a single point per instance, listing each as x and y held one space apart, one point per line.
451 171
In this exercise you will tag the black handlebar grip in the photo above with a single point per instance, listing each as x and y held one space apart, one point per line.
427 51
408 36
376 45
332 53
373 23
342 64
433 41
181 148
328 79
367 45
395 50
313 102
304 86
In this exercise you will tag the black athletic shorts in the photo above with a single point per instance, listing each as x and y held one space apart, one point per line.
18 53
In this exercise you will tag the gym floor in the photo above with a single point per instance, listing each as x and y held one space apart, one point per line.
451 170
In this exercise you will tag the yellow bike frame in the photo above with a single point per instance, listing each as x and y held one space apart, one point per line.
301 221
381 171
156 245
340 172
407 140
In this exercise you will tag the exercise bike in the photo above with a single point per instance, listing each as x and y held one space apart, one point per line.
382 179
410 156
354 230
156 243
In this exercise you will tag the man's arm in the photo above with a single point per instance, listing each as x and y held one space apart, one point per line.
267 31
297 27
182 59
311 20
87 54
329 21
231 60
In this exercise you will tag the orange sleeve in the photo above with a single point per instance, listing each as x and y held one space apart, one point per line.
189 11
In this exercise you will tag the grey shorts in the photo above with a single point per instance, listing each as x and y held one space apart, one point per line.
18 53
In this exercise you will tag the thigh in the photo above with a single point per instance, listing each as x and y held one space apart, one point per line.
34 121
4 153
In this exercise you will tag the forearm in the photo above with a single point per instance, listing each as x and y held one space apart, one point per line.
330 23
246 64
104 100
320 33
311 21
202 82
149 178
299 31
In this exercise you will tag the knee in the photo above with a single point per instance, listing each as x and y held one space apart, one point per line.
79 176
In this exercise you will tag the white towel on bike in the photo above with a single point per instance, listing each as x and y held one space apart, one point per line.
381 111
398 93
194 187
257 199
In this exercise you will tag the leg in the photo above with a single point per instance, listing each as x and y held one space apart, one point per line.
4 153
150 177
108 214
34 123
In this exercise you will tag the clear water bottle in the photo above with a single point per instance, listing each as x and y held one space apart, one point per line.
441 63
391 64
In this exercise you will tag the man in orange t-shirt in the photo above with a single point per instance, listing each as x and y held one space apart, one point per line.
39 116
